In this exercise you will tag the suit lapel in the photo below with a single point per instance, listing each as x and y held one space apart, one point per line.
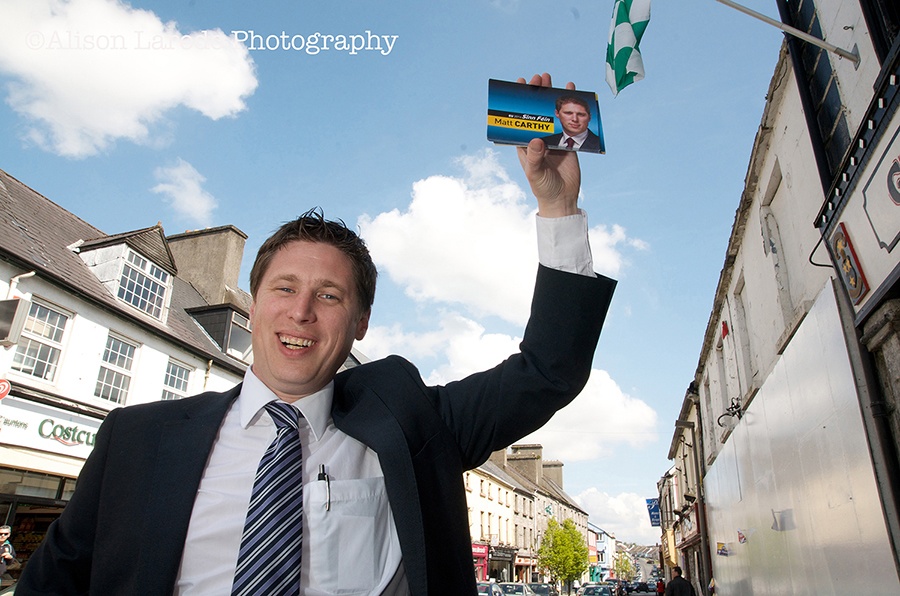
183 450
369 421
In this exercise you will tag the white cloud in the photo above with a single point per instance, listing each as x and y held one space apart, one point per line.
600 420
624 515
88 72
470 241
461 345
182 185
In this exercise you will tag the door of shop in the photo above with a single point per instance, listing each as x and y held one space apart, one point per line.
29 503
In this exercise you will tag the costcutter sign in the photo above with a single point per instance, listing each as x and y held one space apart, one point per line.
27 424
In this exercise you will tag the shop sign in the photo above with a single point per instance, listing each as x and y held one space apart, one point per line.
524 562
881 196
502 554
653 510
480 550
27 424
849 268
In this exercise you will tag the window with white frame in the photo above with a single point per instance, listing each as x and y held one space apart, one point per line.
115 372
176 381
39 348
143 285
239 337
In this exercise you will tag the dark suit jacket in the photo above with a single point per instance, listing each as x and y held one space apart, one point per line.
124 529
678 586
591 143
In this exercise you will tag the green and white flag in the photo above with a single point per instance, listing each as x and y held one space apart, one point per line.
623 59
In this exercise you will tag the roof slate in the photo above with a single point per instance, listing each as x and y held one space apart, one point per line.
37 234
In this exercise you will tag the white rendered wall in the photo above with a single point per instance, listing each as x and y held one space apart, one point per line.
791 499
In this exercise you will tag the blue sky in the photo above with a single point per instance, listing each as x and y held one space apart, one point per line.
131 113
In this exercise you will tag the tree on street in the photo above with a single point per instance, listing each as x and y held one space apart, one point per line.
563 552
623 566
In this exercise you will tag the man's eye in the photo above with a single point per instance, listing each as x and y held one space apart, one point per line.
327 296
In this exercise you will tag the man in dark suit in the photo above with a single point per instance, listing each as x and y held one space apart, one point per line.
678 586
160 503
574 114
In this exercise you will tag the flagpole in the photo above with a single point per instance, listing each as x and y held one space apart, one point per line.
851 56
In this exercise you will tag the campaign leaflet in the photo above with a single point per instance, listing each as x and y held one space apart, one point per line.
565 119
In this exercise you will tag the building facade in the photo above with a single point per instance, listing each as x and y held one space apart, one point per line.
785 453
511 498
601 550
91 322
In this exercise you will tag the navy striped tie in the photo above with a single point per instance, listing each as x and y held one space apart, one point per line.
269 559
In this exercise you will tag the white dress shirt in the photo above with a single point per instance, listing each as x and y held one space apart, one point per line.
351 546
579 139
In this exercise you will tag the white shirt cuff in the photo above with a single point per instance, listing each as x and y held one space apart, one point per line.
563 243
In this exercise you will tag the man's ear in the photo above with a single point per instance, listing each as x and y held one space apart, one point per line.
363 324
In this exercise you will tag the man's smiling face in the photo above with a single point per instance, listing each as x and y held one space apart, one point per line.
305 316
574 118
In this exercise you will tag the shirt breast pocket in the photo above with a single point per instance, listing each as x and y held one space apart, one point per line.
353 540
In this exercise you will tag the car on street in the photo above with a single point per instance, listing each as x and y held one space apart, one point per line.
597 591
642 587
490 589
512 588
543 589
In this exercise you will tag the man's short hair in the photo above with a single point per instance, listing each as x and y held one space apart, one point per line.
676 569
313 227
564 99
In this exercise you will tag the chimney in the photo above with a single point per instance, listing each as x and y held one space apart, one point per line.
498 458
526 459
553 471
210 260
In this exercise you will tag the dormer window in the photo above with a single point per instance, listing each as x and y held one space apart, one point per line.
239 342
228 328
143 285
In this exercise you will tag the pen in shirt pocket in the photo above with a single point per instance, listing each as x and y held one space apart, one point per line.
324 476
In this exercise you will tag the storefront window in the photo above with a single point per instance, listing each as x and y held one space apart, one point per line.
31 484
68 488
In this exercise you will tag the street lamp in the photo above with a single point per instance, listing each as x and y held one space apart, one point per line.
733 410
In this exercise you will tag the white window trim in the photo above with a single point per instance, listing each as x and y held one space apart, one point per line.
167 296
70 317
127 372
173 390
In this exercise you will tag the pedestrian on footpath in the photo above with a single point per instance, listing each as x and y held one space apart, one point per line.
678 586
